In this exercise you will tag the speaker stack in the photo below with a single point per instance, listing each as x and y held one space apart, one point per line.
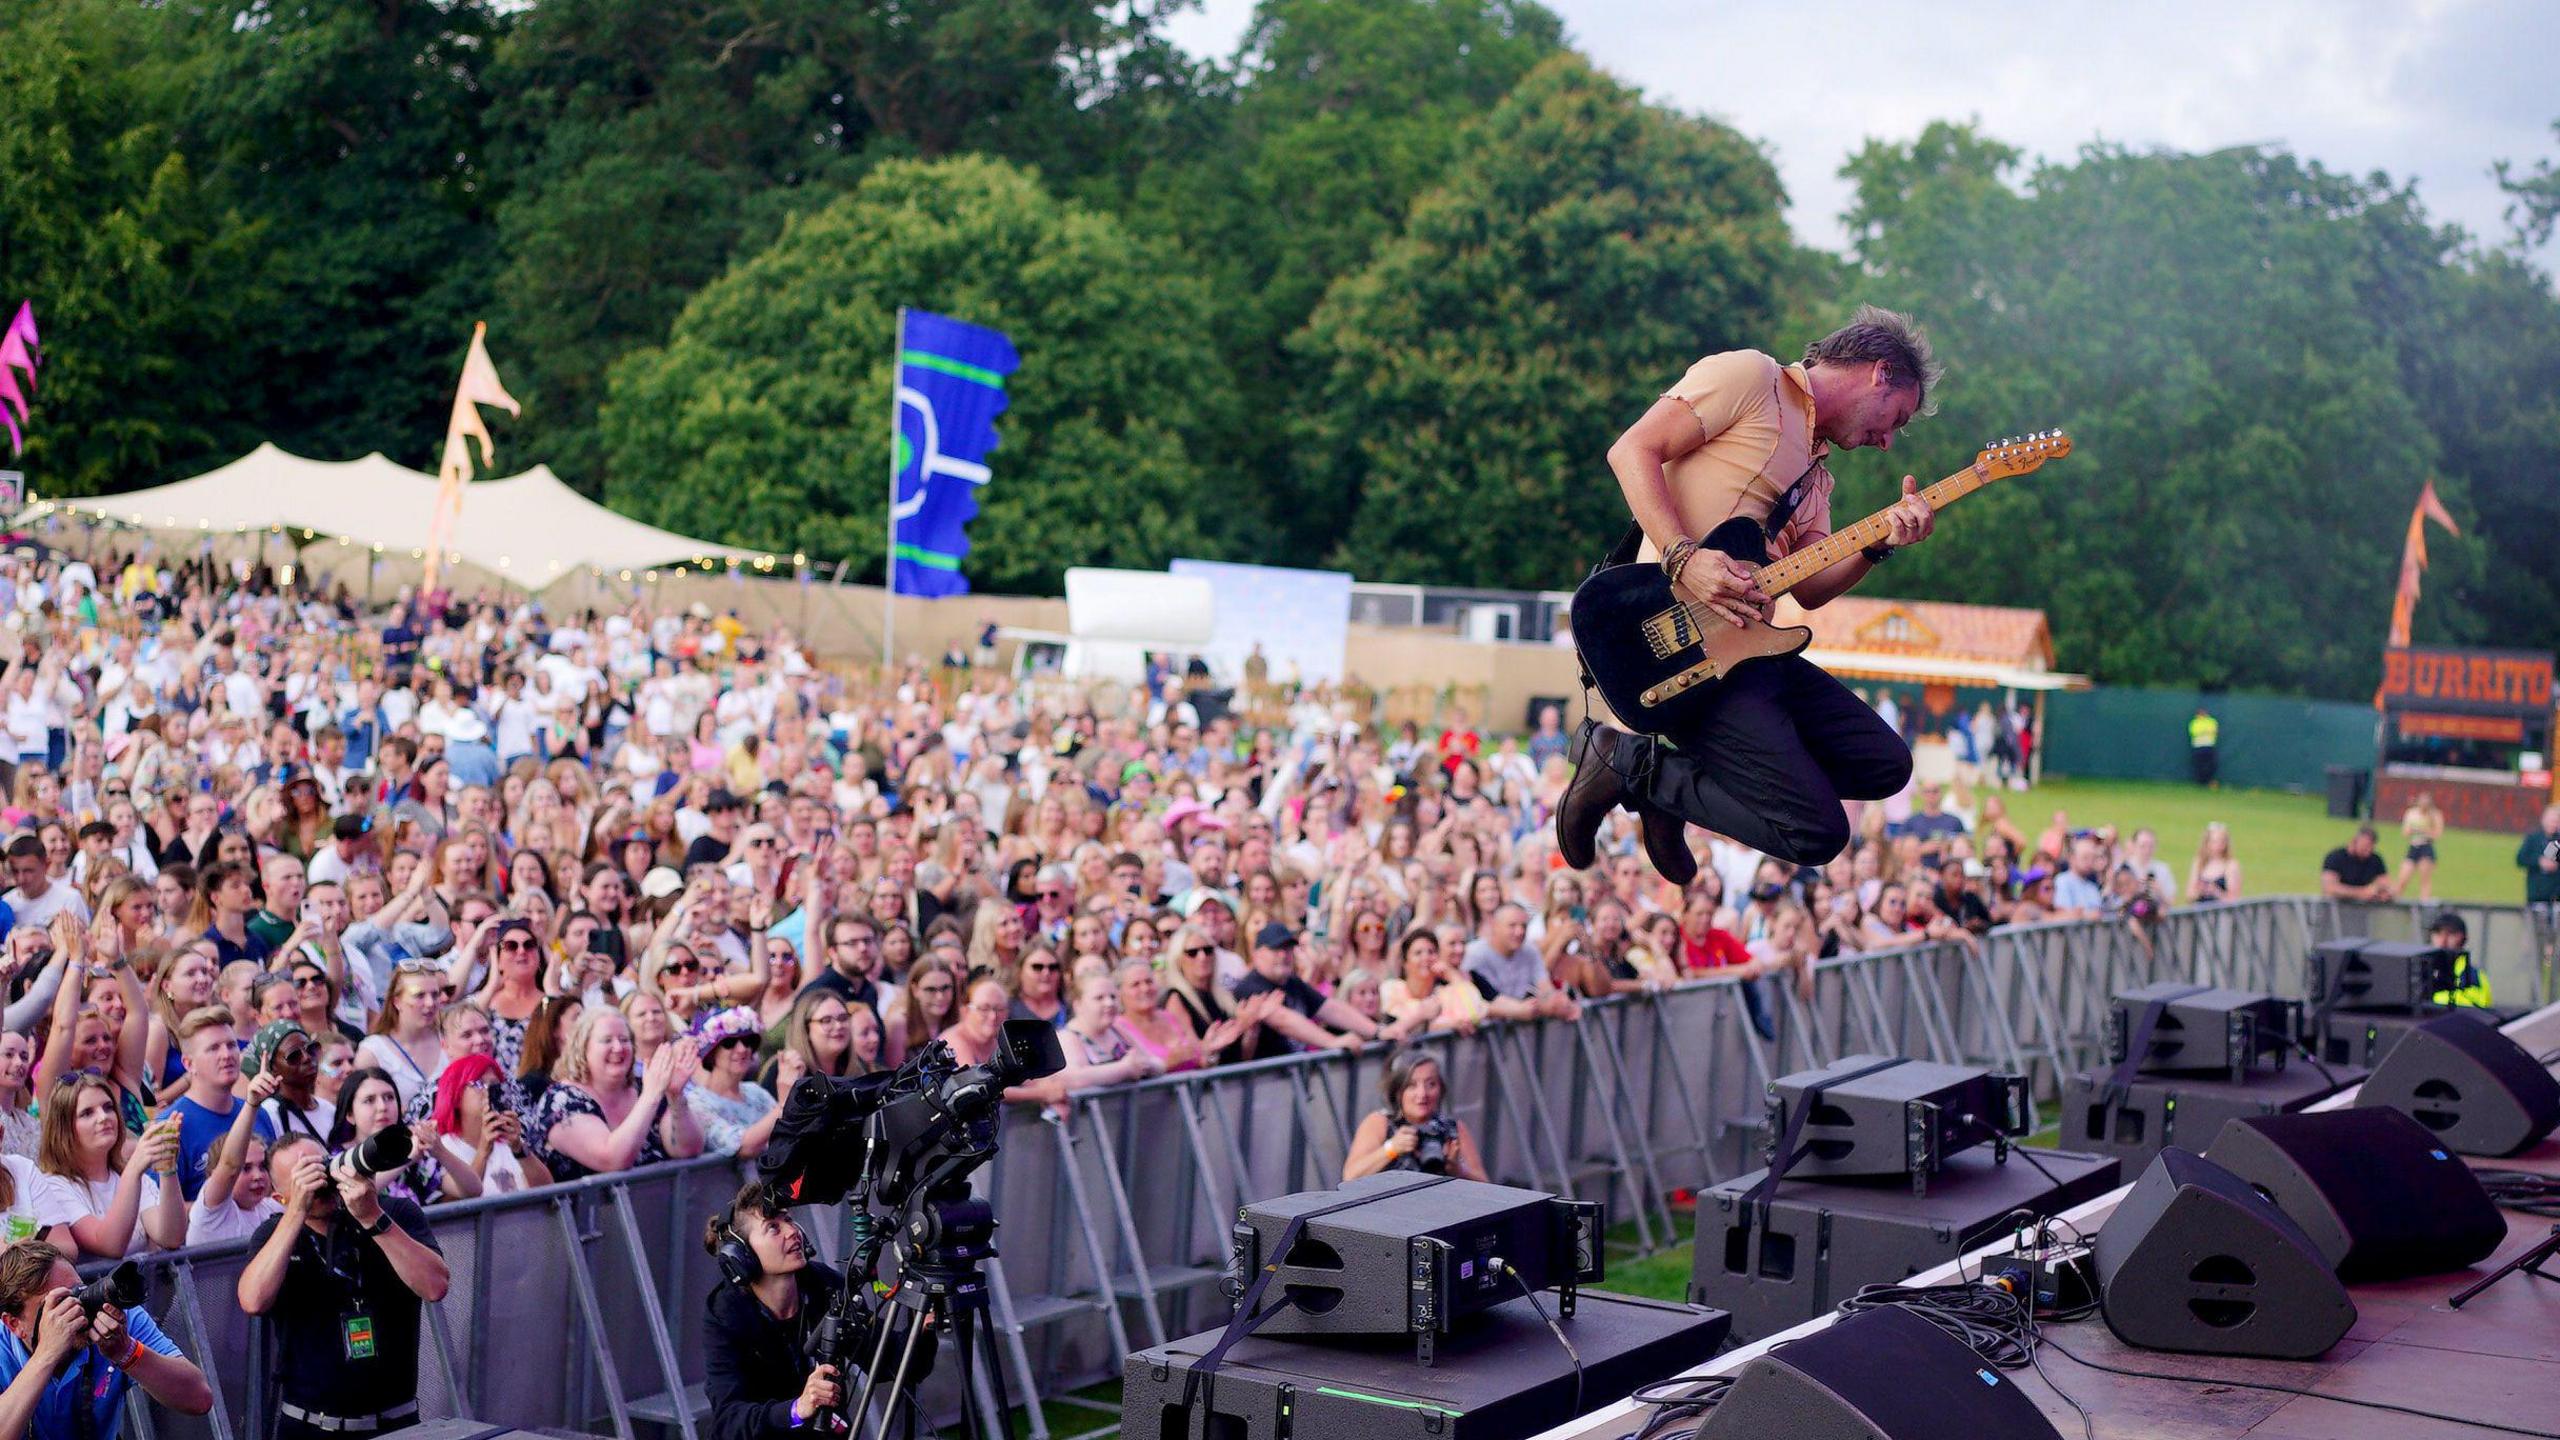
2366 995
1401 1304
1876 1373
1879 1168
2185 1059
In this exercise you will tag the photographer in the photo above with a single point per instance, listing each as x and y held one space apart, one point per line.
341 1272
58 1355
1409 1132
756 1368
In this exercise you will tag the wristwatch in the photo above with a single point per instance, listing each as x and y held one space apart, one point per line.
1878 553
380 1223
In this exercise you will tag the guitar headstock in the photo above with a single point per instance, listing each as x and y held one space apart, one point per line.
2020 454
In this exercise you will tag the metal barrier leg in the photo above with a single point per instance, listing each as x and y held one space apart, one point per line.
1009 1322
1541 1122
1862 998
1223 1203
1127 1221
1514 1106
1666 1060
661 1343
582 1282
1643 1186
1107 1292
191 1314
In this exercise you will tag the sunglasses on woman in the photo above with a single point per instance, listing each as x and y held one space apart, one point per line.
681 967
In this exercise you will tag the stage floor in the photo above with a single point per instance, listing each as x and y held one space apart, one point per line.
2497 1359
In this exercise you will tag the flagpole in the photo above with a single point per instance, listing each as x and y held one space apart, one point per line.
889 576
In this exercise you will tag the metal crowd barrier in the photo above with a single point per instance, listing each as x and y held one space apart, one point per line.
580 1307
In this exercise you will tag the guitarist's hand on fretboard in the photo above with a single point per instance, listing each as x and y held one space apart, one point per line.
1723 585
1912 517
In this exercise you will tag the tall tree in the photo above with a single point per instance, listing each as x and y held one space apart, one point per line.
1340 112
2212 330
763 419
651 144
1581 252
352 132
141 280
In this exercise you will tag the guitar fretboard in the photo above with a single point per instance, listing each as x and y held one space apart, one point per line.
1780 576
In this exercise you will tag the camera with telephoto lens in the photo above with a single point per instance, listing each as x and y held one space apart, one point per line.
120 1287
382 1152
1433 1137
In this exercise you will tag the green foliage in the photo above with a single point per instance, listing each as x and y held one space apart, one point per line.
1338 113
351 132
2535 207
763 419
655 143
140 279
1577 257
2229 339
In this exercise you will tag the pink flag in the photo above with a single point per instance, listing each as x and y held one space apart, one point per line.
9 389
18 347
479 387
23 326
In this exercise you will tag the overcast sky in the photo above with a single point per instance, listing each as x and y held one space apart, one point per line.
2427 89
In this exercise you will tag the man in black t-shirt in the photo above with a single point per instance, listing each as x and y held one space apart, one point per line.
1306 1020
2354 872
341 1273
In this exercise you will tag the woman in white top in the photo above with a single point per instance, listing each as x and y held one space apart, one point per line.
19 1131
405 1044
98 1179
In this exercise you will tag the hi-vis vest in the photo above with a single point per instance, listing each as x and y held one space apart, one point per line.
2470 983
2203 730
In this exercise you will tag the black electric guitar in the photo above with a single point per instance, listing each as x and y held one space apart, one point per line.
1654 657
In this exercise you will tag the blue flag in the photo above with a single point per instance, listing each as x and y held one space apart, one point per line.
950 391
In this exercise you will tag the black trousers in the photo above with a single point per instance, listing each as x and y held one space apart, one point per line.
2205 763
1781 746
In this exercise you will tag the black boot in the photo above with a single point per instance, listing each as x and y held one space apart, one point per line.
1666 842
1596 789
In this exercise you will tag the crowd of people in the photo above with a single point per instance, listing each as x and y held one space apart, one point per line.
566 894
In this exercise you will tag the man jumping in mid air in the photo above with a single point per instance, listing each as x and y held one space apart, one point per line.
1782 742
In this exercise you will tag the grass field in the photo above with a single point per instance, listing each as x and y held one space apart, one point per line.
2278 837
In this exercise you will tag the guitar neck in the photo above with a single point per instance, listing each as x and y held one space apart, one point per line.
1780 576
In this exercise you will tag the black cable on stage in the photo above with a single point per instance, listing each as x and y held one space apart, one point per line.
2221 1382
1705 1393
1557 1330
2522 1190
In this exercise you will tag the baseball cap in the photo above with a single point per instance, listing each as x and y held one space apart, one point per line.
660 883
1275 936
722 799
351 827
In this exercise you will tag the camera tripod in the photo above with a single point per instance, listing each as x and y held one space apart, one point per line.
940 1287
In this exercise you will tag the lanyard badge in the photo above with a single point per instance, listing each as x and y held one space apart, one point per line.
359 1337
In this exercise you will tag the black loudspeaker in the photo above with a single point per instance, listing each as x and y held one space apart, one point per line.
1880 1374
1501 1378
2203 1029
2360 974
1777 1263
2193 1259
2378 1196
2135 1122
1869 1115
2478 1091
1402 1253
2367 1037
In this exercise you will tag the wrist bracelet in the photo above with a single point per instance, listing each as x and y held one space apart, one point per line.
1677 556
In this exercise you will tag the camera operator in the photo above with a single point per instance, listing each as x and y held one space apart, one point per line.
342 1272
757 1370
1410 1132
58 1355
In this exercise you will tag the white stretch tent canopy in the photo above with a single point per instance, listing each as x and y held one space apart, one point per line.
529 530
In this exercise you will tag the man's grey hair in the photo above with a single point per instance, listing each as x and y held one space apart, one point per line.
1875 333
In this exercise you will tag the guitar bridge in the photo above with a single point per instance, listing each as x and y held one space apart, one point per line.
1689 679
1671 632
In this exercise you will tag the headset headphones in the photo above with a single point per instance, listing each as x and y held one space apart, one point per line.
737 1258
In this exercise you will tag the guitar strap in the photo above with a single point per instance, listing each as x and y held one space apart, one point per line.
1631 543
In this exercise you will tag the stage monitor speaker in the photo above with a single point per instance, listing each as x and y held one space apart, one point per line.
1881 1374
2360 974
2478 1091
2195 1260
2203 1029
1401 1253
1502 1378
2380 1198
1870 1115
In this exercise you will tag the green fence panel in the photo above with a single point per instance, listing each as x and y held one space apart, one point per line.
2269 741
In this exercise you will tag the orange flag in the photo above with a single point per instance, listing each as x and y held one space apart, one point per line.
479 387
2413 559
